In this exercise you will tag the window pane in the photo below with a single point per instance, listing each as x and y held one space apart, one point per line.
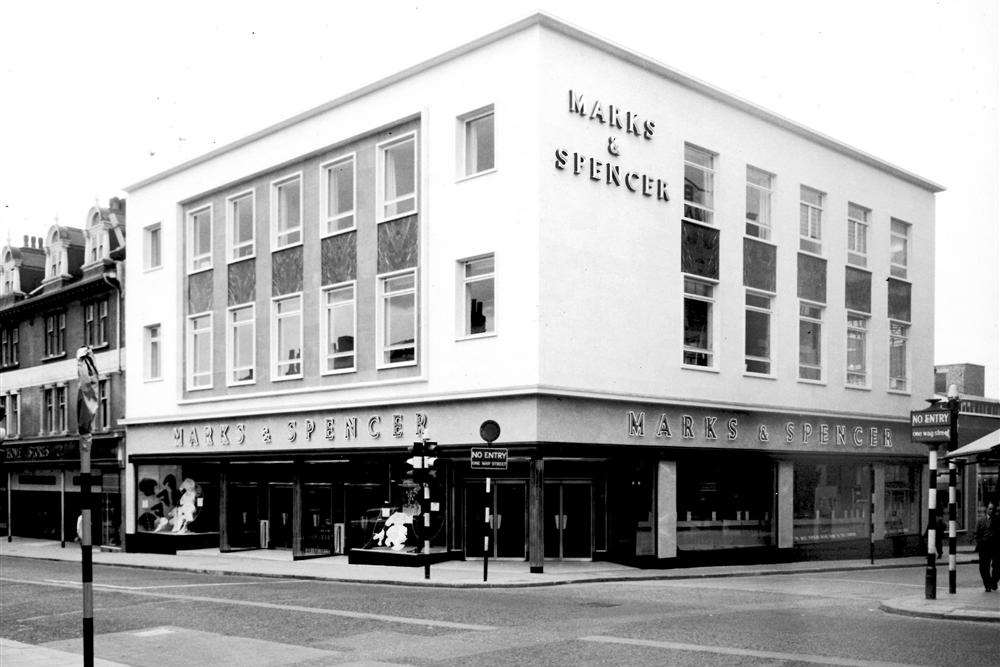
697 324
811 196
809 343
288 208
399 316
479 144
479 306
697 185
243 222
697 156
289 345
758 334
202 234
340 194
154 247
479 267
399 283
697 287
400 178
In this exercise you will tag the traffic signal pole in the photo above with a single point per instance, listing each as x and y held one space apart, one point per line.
488 526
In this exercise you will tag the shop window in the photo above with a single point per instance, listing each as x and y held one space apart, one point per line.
699 186
55 334
398 178
724 505
199 244
759 185
340 330
286 212
810 220
152 249
240 210
199 347
95 323
757 339
286 332
337 197
810 341
699 302
175 499
12 420
857 234
899 248
398 319
241 342
479 311
151 354
478 141
831 501
902 507
9 346
857 349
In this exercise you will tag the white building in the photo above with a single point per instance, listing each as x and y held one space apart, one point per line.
700 325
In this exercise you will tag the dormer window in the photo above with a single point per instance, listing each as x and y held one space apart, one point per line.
11 279
55 255
96 240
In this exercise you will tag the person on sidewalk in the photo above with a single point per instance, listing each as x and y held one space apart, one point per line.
987 537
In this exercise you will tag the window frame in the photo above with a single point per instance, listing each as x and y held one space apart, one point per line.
905 337
48 405
713 322
274 209
900 270
147 342
380 202
324 196
857 253
190 333
769 311
193 265
148 233
380 301
10 343
864 328
806 242
231 246
768 192
95 324
463 130
12 422
276 376
821 366
61 411
324 306
708 210
463 296
231 327
55 337
102 421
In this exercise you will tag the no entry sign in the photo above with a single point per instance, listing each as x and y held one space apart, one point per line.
488 458
930 426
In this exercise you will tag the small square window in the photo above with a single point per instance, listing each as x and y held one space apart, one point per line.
479 145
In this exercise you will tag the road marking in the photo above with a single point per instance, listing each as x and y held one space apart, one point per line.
385 618
154 632
740 652
77 612
149 588
872 581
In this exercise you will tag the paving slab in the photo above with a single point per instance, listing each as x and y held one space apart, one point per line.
19 654
964 605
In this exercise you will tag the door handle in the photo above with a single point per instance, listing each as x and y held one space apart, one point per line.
499 520
564 517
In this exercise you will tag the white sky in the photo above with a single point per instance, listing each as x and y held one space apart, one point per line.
95 96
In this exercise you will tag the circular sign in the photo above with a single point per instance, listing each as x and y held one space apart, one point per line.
489 430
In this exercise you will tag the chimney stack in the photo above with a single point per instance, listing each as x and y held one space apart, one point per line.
25 244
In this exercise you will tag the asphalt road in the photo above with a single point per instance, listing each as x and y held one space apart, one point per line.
149 617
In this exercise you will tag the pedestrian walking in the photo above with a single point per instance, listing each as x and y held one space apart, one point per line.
987 537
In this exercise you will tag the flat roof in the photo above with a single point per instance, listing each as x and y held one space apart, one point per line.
590 39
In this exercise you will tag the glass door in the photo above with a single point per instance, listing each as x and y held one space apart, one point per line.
244 516
568 520
279 503
510 523
317 519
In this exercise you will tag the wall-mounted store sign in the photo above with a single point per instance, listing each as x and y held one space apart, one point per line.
328 429
681 427
608 171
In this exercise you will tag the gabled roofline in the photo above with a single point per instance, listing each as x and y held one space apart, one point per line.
590 39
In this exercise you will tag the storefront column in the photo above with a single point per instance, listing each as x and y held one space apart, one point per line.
536 515
224 507
666 509
786 504
62 508
297 510
879 501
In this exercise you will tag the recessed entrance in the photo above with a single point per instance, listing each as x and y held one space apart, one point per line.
509 534
569 521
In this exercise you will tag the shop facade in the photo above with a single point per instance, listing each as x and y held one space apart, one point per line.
699 338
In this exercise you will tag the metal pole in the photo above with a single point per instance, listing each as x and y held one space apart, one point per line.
10 514
930 575
952 526
427 528
486 534
62 508
86 440
871 515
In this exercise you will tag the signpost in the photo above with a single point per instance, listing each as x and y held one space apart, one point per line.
86 410
486 458
932 426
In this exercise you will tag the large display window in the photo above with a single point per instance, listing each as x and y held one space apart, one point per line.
902 500
831 501
724 504
175 499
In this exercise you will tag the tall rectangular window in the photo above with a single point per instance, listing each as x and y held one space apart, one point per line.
699 178
899 337
478 142
699 301
55 334
398 319
810 220
59 425
286 212
95 323
810 341
857 234
151 355
200 239
48 410
339 330
480 317
337 197
13 419
398 175
240 224
758 203
758 333
102 420
9 346
152 247
241 342
199 351
857 349
899 248
286 333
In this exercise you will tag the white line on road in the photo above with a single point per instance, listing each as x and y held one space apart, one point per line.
740 652
406 620
148 588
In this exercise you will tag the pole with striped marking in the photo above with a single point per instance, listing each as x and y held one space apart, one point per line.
930 576
487 528
952 528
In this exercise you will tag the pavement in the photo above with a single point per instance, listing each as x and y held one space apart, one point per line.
19 654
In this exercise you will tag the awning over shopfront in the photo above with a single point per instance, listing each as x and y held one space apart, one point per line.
985 448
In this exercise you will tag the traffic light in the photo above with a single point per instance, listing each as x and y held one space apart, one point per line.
430 460
423 456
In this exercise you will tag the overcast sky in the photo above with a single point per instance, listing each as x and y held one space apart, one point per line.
95 96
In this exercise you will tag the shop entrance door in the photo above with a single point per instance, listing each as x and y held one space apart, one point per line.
244 516
568 520
279 503
509 534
